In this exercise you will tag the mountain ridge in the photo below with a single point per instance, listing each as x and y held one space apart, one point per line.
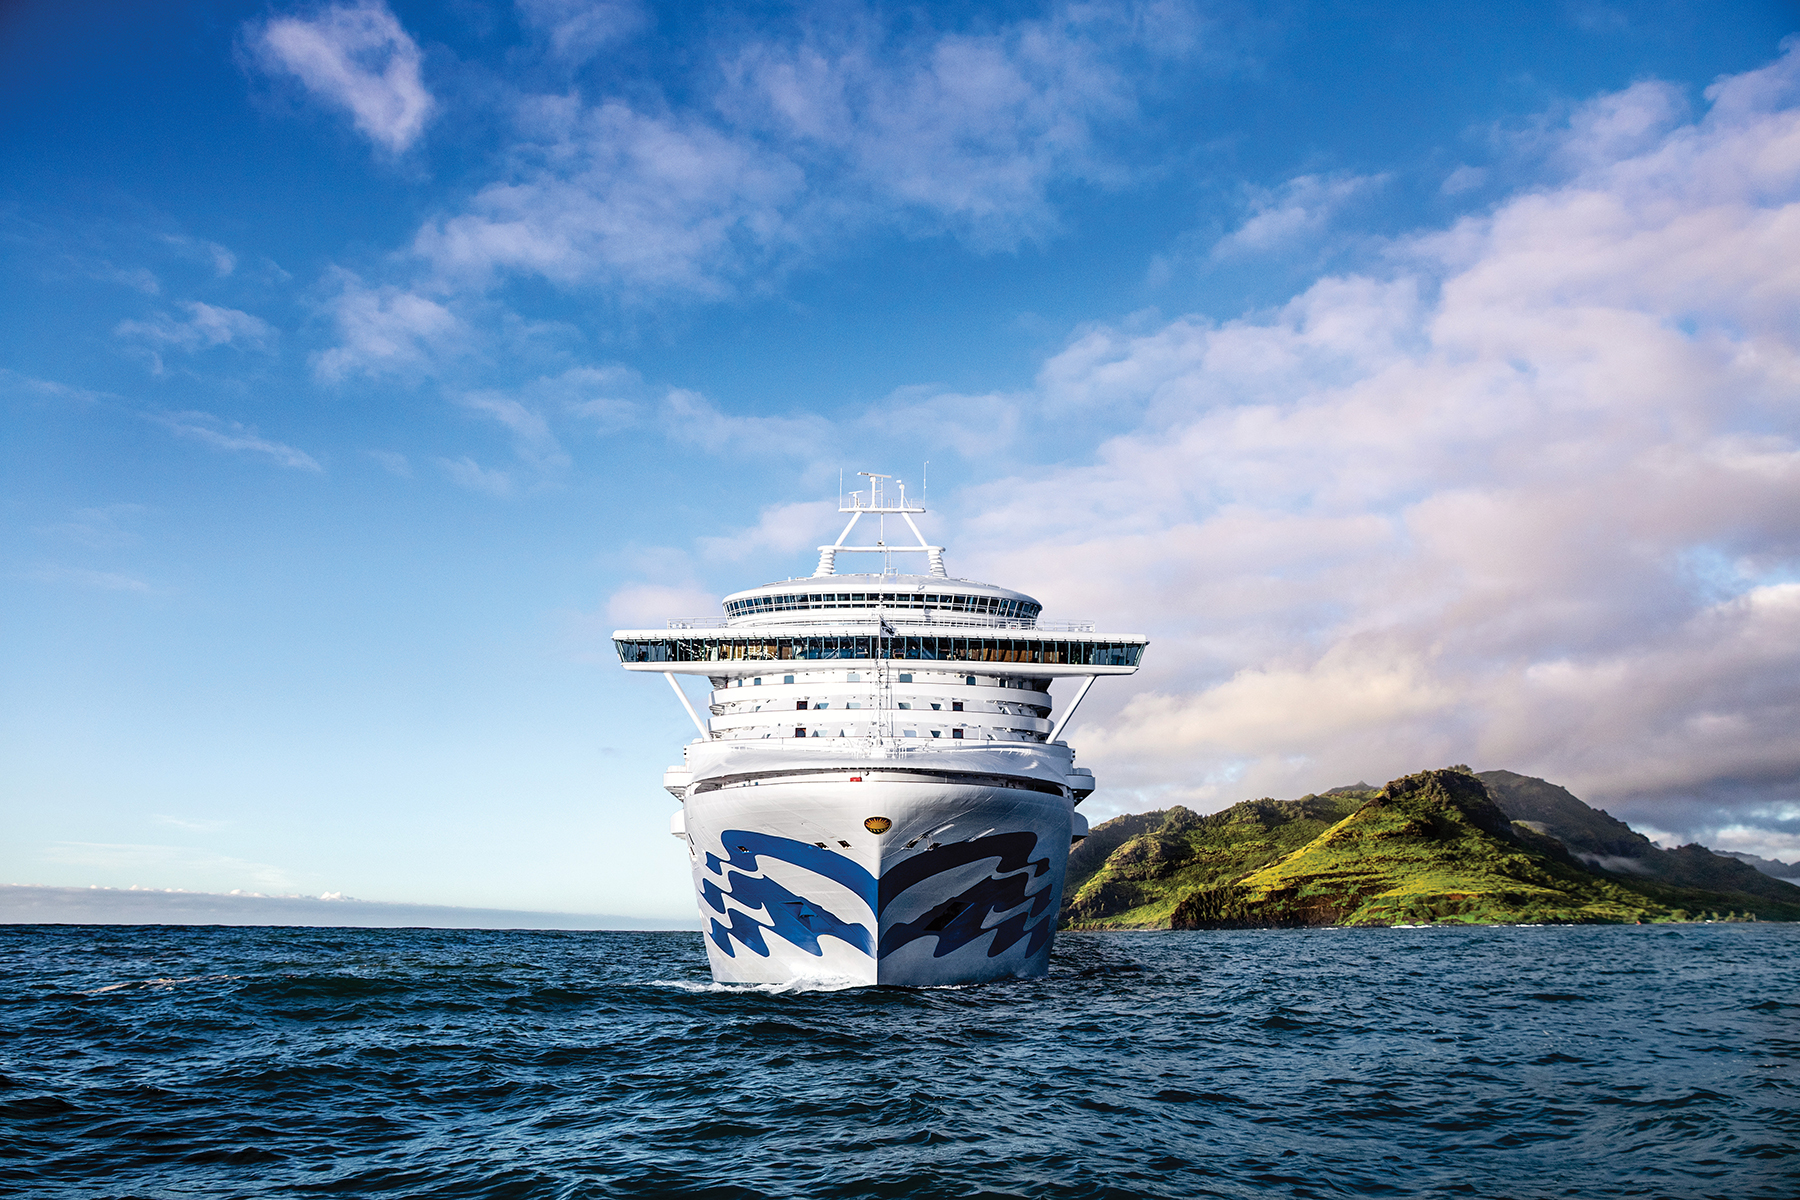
1446 845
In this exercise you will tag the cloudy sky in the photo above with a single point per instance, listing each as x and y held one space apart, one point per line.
1424 380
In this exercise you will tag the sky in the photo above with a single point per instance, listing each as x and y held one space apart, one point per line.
1423 380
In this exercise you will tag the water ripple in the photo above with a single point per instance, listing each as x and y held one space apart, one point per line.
1525 1062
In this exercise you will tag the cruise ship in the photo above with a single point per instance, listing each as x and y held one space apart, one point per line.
879 792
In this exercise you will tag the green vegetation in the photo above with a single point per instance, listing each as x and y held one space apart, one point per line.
1173 853
1432 847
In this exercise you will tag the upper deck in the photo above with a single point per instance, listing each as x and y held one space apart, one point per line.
878 616
852 599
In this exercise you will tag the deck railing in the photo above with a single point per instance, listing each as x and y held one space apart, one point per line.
909 617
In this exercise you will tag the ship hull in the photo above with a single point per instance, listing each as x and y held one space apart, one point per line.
798 881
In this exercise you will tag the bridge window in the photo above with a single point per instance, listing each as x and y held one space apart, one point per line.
952 648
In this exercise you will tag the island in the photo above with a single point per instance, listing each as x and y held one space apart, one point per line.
1445 846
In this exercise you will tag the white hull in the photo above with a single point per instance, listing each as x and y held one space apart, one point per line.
887 908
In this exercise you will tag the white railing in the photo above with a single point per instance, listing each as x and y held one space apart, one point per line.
869 616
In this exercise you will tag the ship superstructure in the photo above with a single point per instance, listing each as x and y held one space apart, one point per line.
879 791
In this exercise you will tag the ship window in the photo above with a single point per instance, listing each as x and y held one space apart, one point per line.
825 704
956 706
798 732
956 733
853 677
912 733
971 681
936 648
905 704
758 681
854 704
799 704
936 707
784 679
937 733
906 679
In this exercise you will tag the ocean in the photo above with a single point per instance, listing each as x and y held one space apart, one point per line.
170 1061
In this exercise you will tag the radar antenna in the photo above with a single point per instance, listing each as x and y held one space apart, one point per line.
881 505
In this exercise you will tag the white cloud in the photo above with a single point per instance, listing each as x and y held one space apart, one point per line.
357 58
1452 511
535 445
841 123
393 462
579 29
967 129
603 397
466 472
1465 178
205 327
1297 211
25 385
651 605
785 529
691 419
381 330
221 259
224 434
610 195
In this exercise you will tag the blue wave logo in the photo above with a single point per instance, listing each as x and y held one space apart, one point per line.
791 917
955 922
963 918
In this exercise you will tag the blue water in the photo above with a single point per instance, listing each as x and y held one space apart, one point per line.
214 1062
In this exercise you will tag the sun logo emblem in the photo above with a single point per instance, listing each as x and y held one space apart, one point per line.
878 825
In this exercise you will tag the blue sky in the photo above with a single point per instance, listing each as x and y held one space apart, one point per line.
1421 378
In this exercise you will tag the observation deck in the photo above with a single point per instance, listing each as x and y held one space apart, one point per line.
869 645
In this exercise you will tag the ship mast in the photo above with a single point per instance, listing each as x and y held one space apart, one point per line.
881 506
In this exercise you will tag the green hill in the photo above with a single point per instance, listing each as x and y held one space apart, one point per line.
1145 864
1429 847
1609 844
